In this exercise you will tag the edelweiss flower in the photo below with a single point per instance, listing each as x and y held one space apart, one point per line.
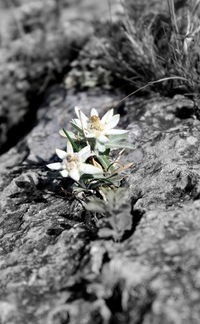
73 164
97 128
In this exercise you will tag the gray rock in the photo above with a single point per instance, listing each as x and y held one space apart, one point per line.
37 45
53 268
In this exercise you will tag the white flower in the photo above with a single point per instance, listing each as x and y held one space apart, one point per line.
73 164
97 128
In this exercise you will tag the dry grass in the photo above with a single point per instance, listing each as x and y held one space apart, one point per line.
158 41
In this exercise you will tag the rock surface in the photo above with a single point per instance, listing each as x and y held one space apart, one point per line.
38 41
54 267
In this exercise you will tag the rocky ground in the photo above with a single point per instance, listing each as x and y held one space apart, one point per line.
55 267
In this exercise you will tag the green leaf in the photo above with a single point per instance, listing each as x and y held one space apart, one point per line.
104 161
73 123
116 180
90 141
86 177
115 138
118 145
63 134
74 145
100 182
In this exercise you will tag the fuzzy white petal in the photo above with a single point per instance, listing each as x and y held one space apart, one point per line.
61 154
89 135
74 174
64 173
113 122
77 122
81 116
69 148
94 112
100 147
90 169
107 116
55 166
85 153
102 139
116 131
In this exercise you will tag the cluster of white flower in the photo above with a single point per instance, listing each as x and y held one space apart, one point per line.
96 128
88 149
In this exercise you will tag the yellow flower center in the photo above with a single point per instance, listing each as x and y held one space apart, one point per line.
72 161
96 123
72 158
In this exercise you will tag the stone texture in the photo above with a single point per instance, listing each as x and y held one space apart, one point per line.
38 41
37 44
54 266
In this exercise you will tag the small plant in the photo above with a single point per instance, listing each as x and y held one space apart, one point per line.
161 43
87 159
115 207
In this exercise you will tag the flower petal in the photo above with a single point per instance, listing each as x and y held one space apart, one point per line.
90 169
77 122
69 148
100 146
85 153
55 166
64 173
107 116
89 134
81 116
112 122
102 138
61 154
94 112
116 131
74 174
